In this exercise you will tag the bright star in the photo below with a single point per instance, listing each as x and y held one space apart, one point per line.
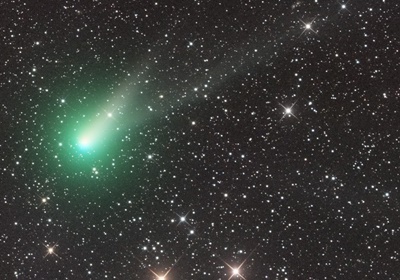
344 6
50 250
182 219
236 270
387 194
160 277
163 277
43 199
308 26
288 111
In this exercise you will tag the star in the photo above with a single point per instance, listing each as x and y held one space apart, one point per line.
226 196
236 270
43 200
343 6
288 111
160 277
51 250
308 26
182 219
110 113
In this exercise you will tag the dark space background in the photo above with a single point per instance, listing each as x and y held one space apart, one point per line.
238 138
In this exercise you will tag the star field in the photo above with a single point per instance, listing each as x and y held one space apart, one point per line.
200 140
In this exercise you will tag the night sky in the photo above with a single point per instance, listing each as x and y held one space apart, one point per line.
200 139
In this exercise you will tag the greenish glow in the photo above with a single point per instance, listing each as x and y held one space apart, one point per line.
84 142
92 131
95 133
